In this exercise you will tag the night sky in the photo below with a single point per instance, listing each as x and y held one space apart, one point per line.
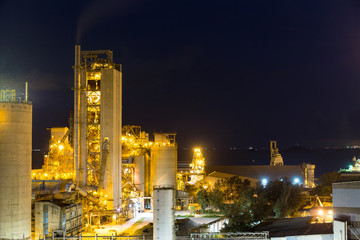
219 73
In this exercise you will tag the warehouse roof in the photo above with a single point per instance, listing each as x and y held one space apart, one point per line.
294 227
259 171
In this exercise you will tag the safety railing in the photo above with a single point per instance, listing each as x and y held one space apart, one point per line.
238 235
96 237
193 236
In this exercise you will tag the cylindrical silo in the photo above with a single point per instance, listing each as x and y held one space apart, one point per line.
163 165
164 226
139 176
15 170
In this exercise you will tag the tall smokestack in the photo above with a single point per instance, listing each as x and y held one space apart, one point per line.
77 87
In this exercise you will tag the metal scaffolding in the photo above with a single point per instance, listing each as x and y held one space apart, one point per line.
93 101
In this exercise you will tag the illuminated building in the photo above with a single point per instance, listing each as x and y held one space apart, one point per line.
197 171
59 162
97 123
276 159
297 174
108 169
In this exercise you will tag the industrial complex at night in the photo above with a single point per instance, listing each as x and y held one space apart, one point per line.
99 172
186 120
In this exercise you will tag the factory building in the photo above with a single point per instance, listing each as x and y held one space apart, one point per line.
97 123
264 174
297 174
64 219
347 206
15 166
108 169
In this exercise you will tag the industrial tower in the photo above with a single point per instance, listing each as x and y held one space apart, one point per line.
97 123
276 158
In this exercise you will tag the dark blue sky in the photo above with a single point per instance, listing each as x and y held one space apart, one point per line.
219 73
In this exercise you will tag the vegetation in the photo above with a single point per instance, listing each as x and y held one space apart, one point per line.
324 188
245 205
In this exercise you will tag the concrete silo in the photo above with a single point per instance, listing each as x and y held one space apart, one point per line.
15 169
164 226
163 165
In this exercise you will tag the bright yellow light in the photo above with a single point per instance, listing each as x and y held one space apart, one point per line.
320 212
114 216
61 147
330 212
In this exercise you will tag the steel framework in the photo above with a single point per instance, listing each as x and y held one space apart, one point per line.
93 95
8 95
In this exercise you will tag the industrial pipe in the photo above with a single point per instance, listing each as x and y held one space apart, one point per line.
77 112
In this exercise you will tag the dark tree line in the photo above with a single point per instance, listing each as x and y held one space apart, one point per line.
324 188
246 205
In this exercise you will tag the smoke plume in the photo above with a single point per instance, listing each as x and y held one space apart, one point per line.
99 12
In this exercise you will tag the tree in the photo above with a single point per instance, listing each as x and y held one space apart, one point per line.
281 207
202 198
325 184
240 219
284 198
216 199
260 207
245 206
192 190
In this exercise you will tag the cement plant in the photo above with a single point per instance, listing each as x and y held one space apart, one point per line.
105 180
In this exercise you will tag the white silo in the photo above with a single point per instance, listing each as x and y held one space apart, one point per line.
163 165
15 169
164 226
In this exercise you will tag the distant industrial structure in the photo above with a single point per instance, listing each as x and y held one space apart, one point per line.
276 159
297 174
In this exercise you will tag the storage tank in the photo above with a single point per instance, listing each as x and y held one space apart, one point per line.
15 170
163 165
164 227
139 176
